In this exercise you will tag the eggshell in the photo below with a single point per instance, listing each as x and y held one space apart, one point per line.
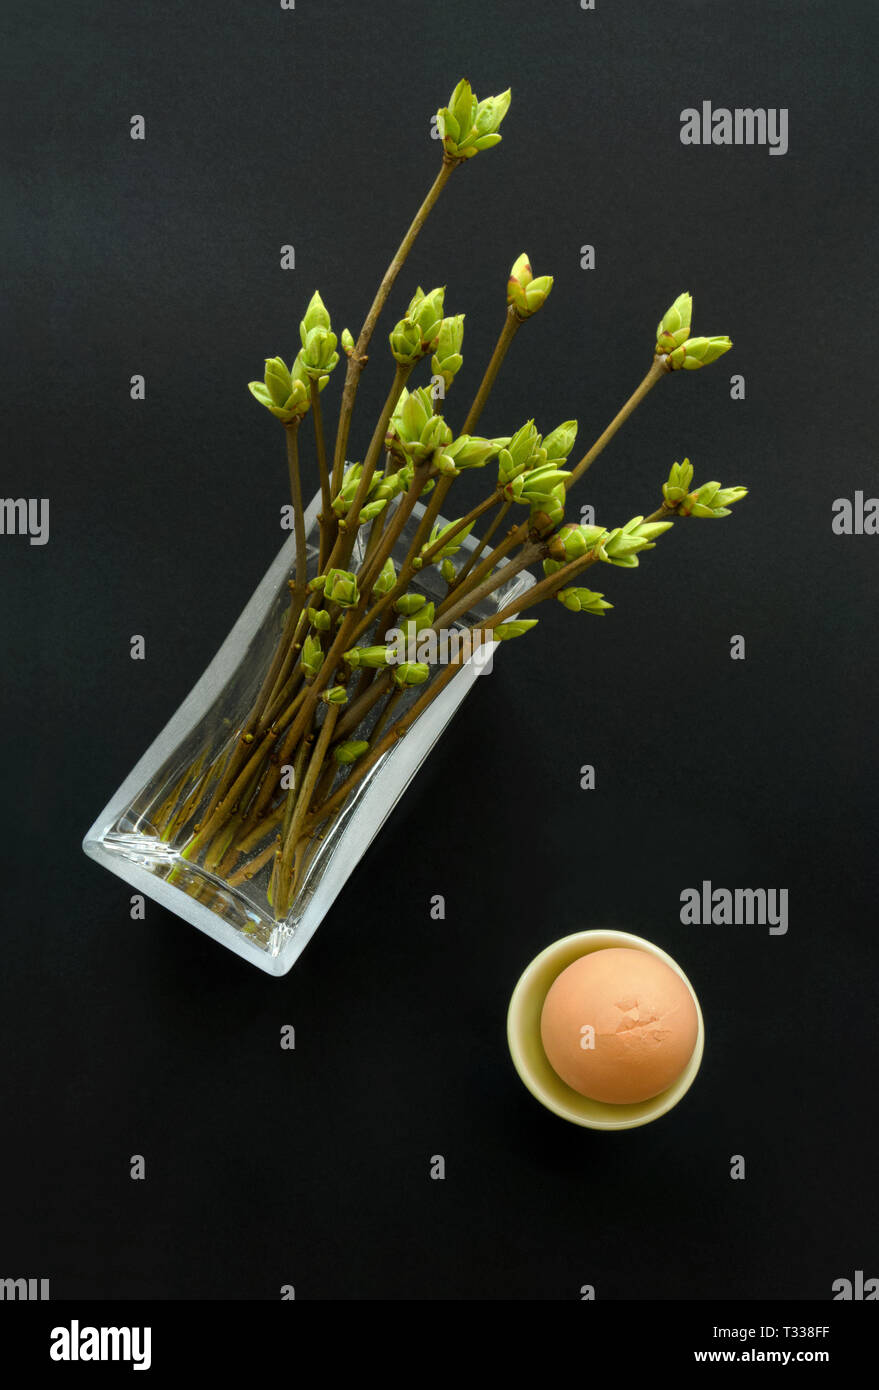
643 1024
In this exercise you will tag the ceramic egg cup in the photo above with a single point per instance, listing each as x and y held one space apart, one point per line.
529 1058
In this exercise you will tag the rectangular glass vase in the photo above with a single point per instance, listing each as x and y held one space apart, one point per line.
130 836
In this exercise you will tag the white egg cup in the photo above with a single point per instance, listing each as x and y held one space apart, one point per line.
529 1058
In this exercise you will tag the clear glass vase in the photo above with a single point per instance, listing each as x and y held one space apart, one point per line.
141 834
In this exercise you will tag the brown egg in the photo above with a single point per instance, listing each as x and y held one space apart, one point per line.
619 1025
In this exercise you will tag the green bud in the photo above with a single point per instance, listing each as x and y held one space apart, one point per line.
408 429
414 301
707 492
448 571
411 673
405 340
282 391
537 294
337 695
679 479
560 442
386 580
445 464
711 500
319 618
427 316
453 545
535 483
673 328
341 588
518 453
467 125
323 350
350 751
470 451
316 316
312 658
571 542
390 484
583 601
347 341
574 540
651 529
348 491
698 352
319 355
407 604
624 544
506 469
278 380
726 496
525 293
547 510
371 511
447 360
519 279
436 434
422 618
505 631
372 657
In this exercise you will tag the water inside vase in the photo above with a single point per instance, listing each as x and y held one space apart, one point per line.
155 826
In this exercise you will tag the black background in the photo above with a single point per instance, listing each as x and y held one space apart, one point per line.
310 1168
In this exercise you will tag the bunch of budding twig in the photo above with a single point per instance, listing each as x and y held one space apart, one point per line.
337 695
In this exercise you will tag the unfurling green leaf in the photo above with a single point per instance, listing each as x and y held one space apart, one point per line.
711 500
504 632
559 443
535 483
583 601
456 534
624 543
